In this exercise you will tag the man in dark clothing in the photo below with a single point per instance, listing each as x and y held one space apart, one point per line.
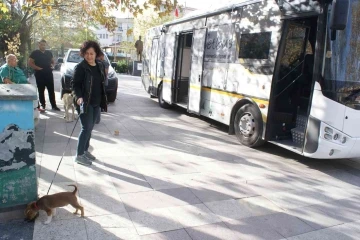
42 62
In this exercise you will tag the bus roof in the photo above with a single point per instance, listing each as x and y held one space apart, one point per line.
216 10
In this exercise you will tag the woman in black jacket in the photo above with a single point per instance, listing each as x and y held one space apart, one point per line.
89 88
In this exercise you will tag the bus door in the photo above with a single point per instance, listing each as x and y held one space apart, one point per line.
292 83
196 74
153 66
171 41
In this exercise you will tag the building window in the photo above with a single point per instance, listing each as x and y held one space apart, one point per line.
107 36
255 45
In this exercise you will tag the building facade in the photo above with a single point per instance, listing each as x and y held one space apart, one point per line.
107 38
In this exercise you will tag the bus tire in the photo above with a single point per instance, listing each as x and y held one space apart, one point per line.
248 126
162 103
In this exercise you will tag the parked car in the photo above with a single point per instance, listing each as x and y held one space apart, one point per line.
71 59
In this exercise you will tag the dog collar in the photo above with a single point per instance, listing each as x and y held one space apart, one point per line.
36 207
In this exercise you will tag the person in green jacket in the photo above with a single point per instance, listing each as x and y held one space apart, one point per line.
10 73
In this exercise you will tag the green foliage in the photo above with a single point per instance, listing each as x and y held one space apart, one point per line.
18 16
9 27
122 66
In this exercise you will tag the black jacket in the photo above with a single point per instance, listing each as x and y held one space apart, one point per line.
82 86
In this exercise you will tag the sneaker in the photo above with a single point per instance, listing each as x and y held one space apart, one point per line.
41 110
89 156
81 159
56 108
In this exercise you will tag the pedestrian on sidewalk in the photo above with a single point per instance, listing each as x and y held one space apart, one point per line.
42 62
89 88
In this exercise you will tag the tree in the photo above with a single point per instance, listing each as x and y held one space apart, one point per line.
151 17
61 31
23 12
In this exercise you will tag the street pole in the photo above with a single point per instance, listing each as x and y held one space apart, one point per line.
115 51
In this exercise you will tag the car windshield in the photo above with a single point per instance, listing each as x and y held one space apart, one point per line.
74 56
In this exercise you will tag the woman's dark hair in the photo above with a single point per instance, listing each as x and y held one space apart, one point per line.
90 44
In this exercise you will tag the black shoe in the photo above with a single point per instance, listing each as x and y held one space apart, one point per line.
56 108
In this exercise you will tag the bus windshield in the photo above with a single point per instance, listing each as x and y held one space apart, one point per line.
342 61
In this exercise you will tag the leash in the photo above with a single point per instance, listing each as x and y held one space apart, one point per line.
63 154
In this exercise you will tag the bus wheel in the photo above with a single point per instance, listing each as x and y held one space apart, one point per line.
248 126
162 103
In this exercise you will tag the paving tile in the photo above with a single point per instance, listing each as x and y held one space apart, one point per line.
64 174
154 221
212 232
165 170
194 215
228 209
59 230
17 229
253 229
158 183
298 198
314 216
269 185
170 235
96 189
114 226
258 206
127 179
92 174
285 224
221 191
101 205
341 232
158 199
178 197
131 185
344 210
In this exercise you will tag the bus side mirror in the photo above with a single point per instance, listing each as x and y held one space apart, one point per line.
339 14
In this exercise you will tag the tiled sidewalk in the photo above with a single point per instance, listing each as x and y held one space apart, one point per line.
172 176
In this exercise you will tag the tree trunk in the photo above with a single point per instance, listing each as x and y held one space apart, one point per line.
24 38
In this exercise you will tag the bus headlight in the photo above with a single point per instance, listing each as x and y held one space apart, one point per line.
343 140
328 130
336 136
327 136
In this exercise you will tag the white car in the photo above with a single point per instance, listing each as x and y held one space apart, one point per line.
71 59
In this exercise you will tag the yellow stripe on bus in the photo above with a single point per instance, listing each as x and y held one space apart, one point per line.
236 95
221 92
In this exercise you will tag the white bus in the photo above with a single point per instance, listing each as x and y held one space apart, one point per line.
282 71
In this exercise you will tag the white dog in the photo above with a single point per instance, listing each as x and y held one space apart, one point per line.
68 104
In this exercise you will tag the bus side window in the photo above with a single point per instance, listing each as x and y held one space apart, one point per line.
255 45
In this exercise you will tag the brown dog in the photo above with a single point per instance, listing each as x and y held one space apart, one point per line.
49 203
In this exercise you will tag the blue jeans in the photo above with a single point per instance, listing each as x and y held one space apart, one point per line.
87 121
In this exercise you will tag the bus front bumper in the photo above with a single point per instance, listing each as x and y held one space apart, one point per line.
332 144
